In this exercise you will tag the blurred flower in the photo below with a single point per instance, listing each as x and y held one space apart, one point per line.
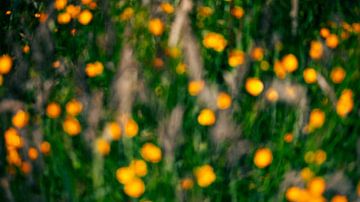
45 147
124 174
53 110
257 53
279 70
73 107
272 95
288 137
13 138
306 174
254 86
60 4
316 50
236 58
114 129
206 117
237 12
131 128
339 198
134 188
73 10
33 153
13 157
139 167
317 118
205 175
180 68
345 103
309 75
85 17
324 32
223 100
337 75
127 14
290 63
71 126
86 2
26 167
63 18
20 119
263 157
5 64
102 146
214 41
167 7
316 186
320 157
332 41
195 87
205 11
296 194
187 183
94 69
151 153
26 49
156 26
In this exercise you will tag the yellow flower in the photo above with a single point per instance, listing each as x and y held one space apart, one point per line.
272 95
5 64
102 146
72 126
316 50
125 174
254 86
134 188
337 75
223 100
316 186
139 167
214 41
236 58
320 157
180 68
310 75
195 87
151 153
345 103
85 17
339 198
290 63
73 10
317 118
127 14
60 4
205 175
205 11
296 194
306 174
237 12
74 107
131 128
167 7
53 110
20 119
263 157
156 27
206 117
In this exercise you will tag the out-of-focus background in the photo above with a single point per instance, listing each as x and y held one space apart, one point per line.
180 100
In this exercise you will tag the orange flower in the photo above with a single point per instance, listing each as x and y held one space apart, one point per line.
167 7
187 183
156 27
272 95
316 50
125 174
13 139
5 64
254 86
94 69
85 17
205 175
237 12
339 198
26 167
290 63
223 100
45 147
20 119
288 137
127 14
74 107
279 70
60 4
114 130
310 75
296 194
33 153
195 87
324 32
53 110
63 18
73 10
345 103
151 153
72 126
131 128
332 41
257 54
102 146
214 41
206 117
236 58
316 186
205 11
134 188
317 118
263 157
337 75
139 167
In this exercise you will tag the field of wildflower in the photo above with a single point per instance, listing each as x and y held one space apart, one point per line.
180 100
